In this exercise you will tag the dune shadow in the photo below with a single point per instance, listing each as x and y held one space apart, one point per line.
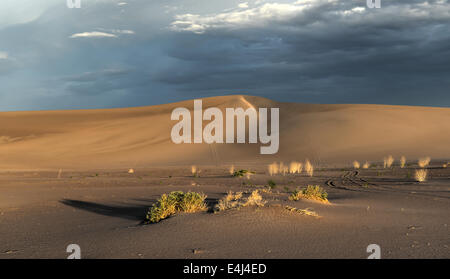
130 212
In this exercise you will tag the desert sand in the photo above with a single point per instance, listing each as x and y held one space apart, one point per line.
64 179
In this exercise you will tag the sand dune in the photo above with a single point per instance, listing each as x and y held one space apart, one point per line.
140 137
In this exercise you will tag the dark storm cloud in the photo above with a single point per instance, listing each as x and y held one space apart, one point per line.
149 52
329 52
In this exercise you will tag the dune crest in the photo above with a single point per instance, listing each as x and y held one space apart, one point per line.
140 137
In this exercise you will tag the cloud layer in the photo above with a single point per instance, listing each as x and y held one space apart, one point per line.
116 53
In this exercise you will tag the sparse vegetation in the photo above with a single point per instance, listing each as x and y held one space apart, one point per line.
295 167
231 200
273 169
195 172
388 161
241 173
177 201
402 162
283 168
231 170
131 171
424 162
445 165
254 199
366 165
271 184
421 175
306 211
237 200
309 168
356 165
311 192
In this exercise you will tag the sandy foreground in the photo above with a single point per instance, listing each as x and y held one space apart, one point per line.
64 180
101 211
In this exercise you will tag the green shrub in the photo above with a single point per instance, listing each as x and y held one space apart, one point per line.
177 201
241 173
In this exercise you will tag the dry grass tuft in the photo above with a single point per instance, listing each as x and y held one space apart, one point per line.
231 200
356 165
388 161
421 175
366 165
295 167
237 200
402 162
309 168
242 173
424 162
305 211
445 165
131 171
177 201
254 199
311 193
283 168
273 169
231 170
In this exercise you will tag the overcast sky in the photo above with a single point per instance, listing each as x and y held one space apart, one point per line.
126 53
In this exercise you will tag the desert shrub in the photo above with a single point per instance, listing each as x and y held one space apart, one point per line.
421 175
273 169
231 200
423 162
177 201
283 168
305 211
388 161
295 167
309 168
402 162
231 170
311 192
237 200
356 165
241 173
271 184
254 199
366 165
195 172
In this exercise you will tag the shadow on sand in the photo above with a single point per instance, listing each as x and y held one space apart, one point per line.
130 212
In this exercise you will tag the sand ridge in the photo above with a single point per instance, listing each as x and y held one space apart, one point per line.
140 137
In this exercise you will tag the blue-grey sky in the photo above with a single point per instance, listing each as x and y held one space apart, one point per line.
120 53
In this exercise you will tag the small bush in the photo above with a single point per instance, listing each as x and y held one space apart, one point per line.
271 184
309 168
366 165
356 165
236 200
241 173
231 200
311 192
254 199
423 162
295 167
402 162
177 201
388 161
421 175
273 169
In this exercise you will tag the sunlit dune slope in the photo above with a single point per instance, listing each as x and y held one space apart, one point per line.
140 137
